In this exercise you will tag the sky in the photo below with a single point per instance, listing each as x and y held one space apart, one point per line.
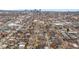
38 4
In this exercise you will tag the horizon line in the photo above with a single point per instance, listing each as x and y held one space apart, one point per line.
40 9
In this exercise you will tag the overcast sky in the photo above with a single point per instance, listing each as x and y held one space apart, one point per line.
38 4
